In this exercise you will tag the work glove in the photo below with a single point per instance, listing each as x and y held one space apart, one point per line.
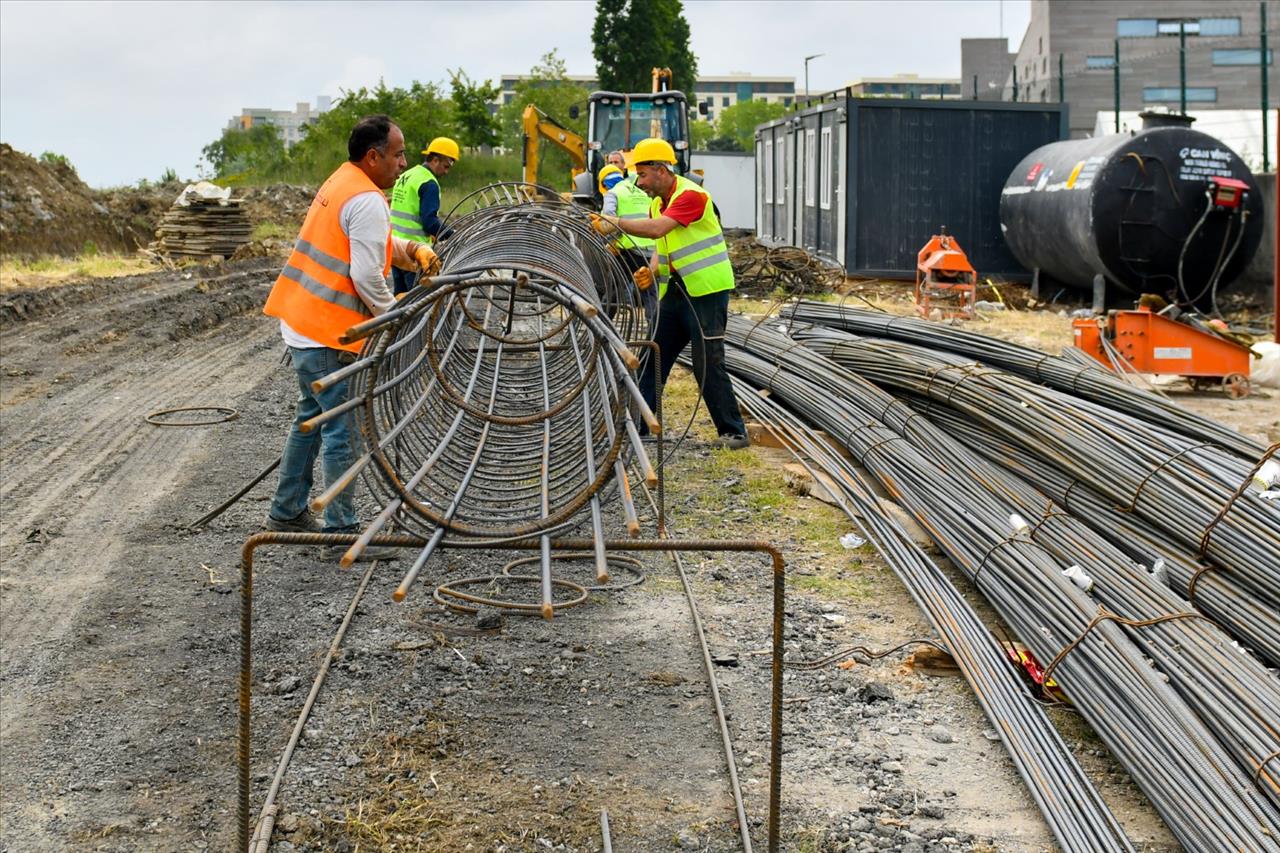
428 260
643 278
604 225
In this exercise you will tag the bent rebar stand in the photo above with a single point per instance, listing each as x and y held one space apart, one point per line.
582 544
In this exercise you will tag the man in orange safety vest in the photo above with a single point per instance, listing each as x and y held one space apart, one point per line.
336 277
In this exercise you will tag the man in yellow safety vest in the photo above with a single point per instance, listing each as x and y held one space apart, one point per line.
694 277
415 201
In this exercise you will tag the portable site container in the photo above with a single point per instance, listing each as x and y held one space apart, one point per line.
867 181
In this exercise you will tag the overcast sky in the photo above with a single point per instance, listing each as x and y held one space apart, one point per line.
126 90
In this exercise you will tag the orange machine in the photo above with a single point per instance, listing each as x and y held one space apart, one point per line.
1146 342
945 280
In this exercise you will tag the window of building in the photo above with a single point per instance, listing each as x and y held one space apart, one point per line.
1044 96
1171 94
1042 44
1219 26
768 170
810 165
1149 27
1241 56
1096 62
1174 26
825 198
1135 27
724 102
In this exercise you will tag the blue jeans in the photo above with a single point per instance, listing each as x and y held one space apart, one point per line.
302 448
402 281
696 322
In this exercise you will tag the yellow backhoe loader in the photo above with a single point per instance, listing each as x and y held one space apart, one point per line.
615 122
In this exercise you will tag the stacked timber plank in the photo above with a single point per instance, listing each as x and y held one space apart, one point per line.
204 222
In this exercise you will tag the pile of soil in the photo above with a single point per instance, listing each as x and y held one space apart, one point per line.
283 204
45 209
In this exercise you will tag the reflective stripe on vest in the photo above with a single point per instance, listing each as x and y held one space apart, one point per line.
633 203
697 251
406 219
314 292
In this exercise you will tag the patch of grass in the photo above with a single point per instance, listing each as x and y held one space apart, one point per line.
432 790
272 231
833 587
471 173
18 273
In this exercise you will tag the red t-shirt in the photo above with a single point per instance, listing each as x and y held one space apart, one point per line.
687 209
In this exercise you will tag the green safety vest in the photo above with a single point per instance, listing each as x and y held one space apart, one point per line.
633 203
405 221
697 251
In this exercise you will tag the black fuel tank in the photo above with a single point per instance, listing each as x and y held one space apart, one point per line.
1126 205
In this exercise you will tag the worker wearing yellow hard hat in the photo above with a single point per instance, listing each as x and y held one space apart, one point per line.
624 199
415 200
694 276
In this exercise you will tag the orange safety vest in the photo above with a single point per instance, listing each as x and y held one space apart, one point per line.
314 292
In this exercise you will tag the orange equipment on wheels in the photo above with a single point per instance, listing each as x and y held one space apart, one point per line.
1142 341
945 280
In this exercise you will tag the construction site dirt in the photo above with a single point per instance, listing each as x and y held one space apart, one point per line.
120 644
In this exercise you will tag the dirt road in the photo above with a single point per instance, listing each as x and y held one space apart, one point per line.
108 693
118 636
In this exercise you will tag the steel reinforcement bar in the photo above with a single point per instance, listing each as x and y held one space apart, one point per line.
1086 381
1199 790
1072 807
499 400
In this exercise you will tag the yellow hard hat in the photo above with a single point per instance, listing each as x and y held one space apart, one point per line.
443 146
606 172
653 151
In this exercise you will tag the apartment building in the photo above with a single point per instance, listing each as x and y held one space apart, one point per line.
290 122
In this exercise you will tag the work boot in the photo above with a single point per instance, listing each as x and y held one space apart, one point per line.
732 441
303 522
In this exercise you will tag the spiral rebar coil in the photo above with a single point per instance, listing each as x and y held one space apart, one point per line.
498 405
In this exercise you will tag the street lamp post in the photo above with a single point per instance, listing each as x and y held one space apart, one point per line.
806 74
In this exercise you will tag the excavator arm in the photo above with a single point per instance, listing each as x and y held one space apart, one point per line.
538 126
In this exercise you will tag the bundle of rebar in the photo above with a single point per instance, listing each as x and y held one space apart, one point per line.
1189 490
1195 783
1072 807
1231 691
764 270
1069 375
498 400
1216 594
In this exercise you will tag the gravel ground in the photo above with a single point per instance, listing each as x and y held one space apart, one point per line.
120 652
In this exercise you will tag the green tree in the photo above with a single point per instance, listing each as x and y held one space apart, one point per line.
550 90
476 124
238 153
739 121
701 133
420 111
632 37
